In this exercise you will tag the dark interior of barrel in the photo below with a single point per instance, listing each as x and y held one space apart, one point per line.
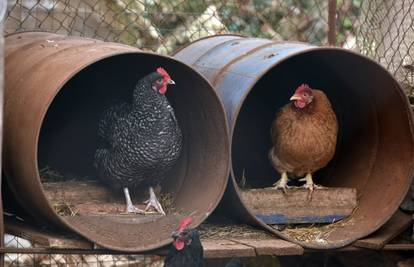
363 105
353 107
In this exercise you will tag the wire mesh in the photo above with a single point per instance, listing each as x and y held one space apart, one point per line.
380 29
163 25
57 260
386 33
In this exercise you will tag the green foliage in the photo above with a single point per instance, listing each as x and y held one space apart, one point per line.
180 21
348 13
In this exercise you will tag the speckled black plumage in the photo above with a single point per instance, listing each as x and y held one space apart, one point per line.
143 139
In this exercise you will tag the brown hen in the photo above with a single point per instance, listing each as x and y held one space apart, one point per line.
304 136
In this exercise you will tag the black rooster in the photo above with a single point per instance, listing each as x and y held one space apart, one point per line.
142 140
187 249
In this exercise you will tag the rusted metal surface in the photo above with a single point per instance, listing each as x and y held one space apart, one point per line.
399 222
255 77
57 88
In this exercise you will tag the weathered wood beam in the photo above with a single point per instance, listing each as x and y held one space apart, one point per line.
299 205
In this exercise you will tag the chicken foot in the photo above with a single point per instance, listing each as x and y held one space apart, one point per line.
130 208
282 183
153 202
309 182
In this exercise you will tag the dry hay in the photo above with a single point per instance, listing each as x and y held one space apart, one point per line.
47 174
50 175
167 202
64 209
225 231
316 232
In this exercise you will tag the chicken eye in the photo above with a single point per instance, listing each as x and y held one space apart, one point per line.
159 81
305 95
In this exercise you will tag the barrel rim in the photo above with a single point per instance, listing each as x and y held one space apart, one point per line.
179 49
410 119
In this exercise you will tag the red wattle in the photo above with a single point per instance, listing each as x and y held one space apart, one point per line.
163 90
300 104
178 244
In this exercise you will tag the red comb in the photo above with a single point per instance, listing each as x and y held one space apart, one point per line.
184 223
163 72
303 87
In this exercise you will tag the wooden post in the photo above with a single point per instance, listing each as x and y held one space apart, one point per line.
332 22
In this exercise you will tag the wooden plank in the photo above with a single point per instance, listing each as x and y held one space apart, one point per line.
44 238
226 249
79 192
275 247
299 205
88 197
396 225
399 247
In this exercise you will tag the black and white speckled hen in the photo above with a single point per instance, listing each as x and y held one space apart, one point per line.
143 140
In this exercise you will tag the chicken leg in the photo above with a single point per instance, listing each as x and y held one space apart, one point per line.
130 208
309 182
153 202
282 183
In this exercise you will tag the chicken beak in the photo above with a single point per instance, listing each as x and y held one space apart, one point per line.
171 82
294 98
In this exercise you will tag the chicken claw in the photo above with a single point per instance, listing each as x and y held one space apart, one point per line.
282 183
153 202
309 182
133 209
130 207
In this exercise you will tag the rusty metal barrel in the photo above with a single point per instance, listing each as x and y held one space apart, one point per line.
255 77
57 88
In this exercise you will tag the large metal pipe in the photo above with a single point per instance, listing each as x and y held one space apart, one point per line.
255 77
56 90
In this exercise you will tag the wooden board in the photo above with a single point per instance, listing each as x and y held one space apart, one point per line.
396 225
277 247
299 205
226 249
88 197
45 238
399 247
48 242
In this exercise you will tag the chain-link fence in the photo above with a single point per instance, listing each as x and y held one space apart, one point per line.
163 25
386 33
380 29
